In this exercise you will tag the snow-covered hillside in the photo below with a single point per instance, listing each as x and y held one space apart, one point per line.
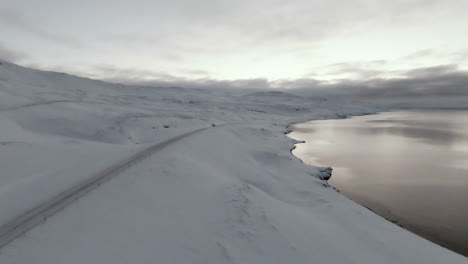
232 193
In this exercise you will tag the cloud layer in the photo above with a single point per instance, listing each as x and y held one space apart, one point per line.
445 80
364 47
10 55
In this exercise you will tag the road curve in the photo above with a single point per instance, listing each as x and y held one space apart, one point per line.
31 218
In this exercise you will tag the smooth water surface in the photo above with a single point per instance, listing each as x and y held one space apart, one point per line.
408 166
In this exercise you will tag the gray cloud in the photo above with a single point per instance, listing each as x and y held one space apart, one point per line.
445 80
217 26
14 18
461 55
10 55
419 54
359 70
434 71
240 39
442 80
195 72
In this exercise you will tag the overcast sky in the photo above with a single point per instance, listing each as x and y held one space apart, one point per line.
235 39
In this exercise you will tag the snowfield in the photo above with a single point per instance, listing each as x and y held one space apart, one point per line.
231 193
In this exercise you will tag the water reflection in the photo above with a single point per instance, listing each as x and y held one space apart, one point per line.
429 135
410 166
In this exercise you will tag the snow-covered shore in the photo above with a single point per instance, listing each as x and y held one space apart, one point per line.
229 194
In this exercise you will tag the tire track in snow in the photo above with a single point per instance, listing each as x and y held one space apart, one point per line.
33 217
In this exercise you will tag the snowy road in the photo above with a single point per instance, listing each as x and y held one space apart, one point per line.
40 213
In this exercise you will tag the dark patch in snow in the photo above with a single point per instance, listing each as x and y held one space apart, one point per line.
325 173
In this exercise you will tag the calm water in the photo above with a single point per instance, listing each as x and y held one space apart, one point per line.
408 166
